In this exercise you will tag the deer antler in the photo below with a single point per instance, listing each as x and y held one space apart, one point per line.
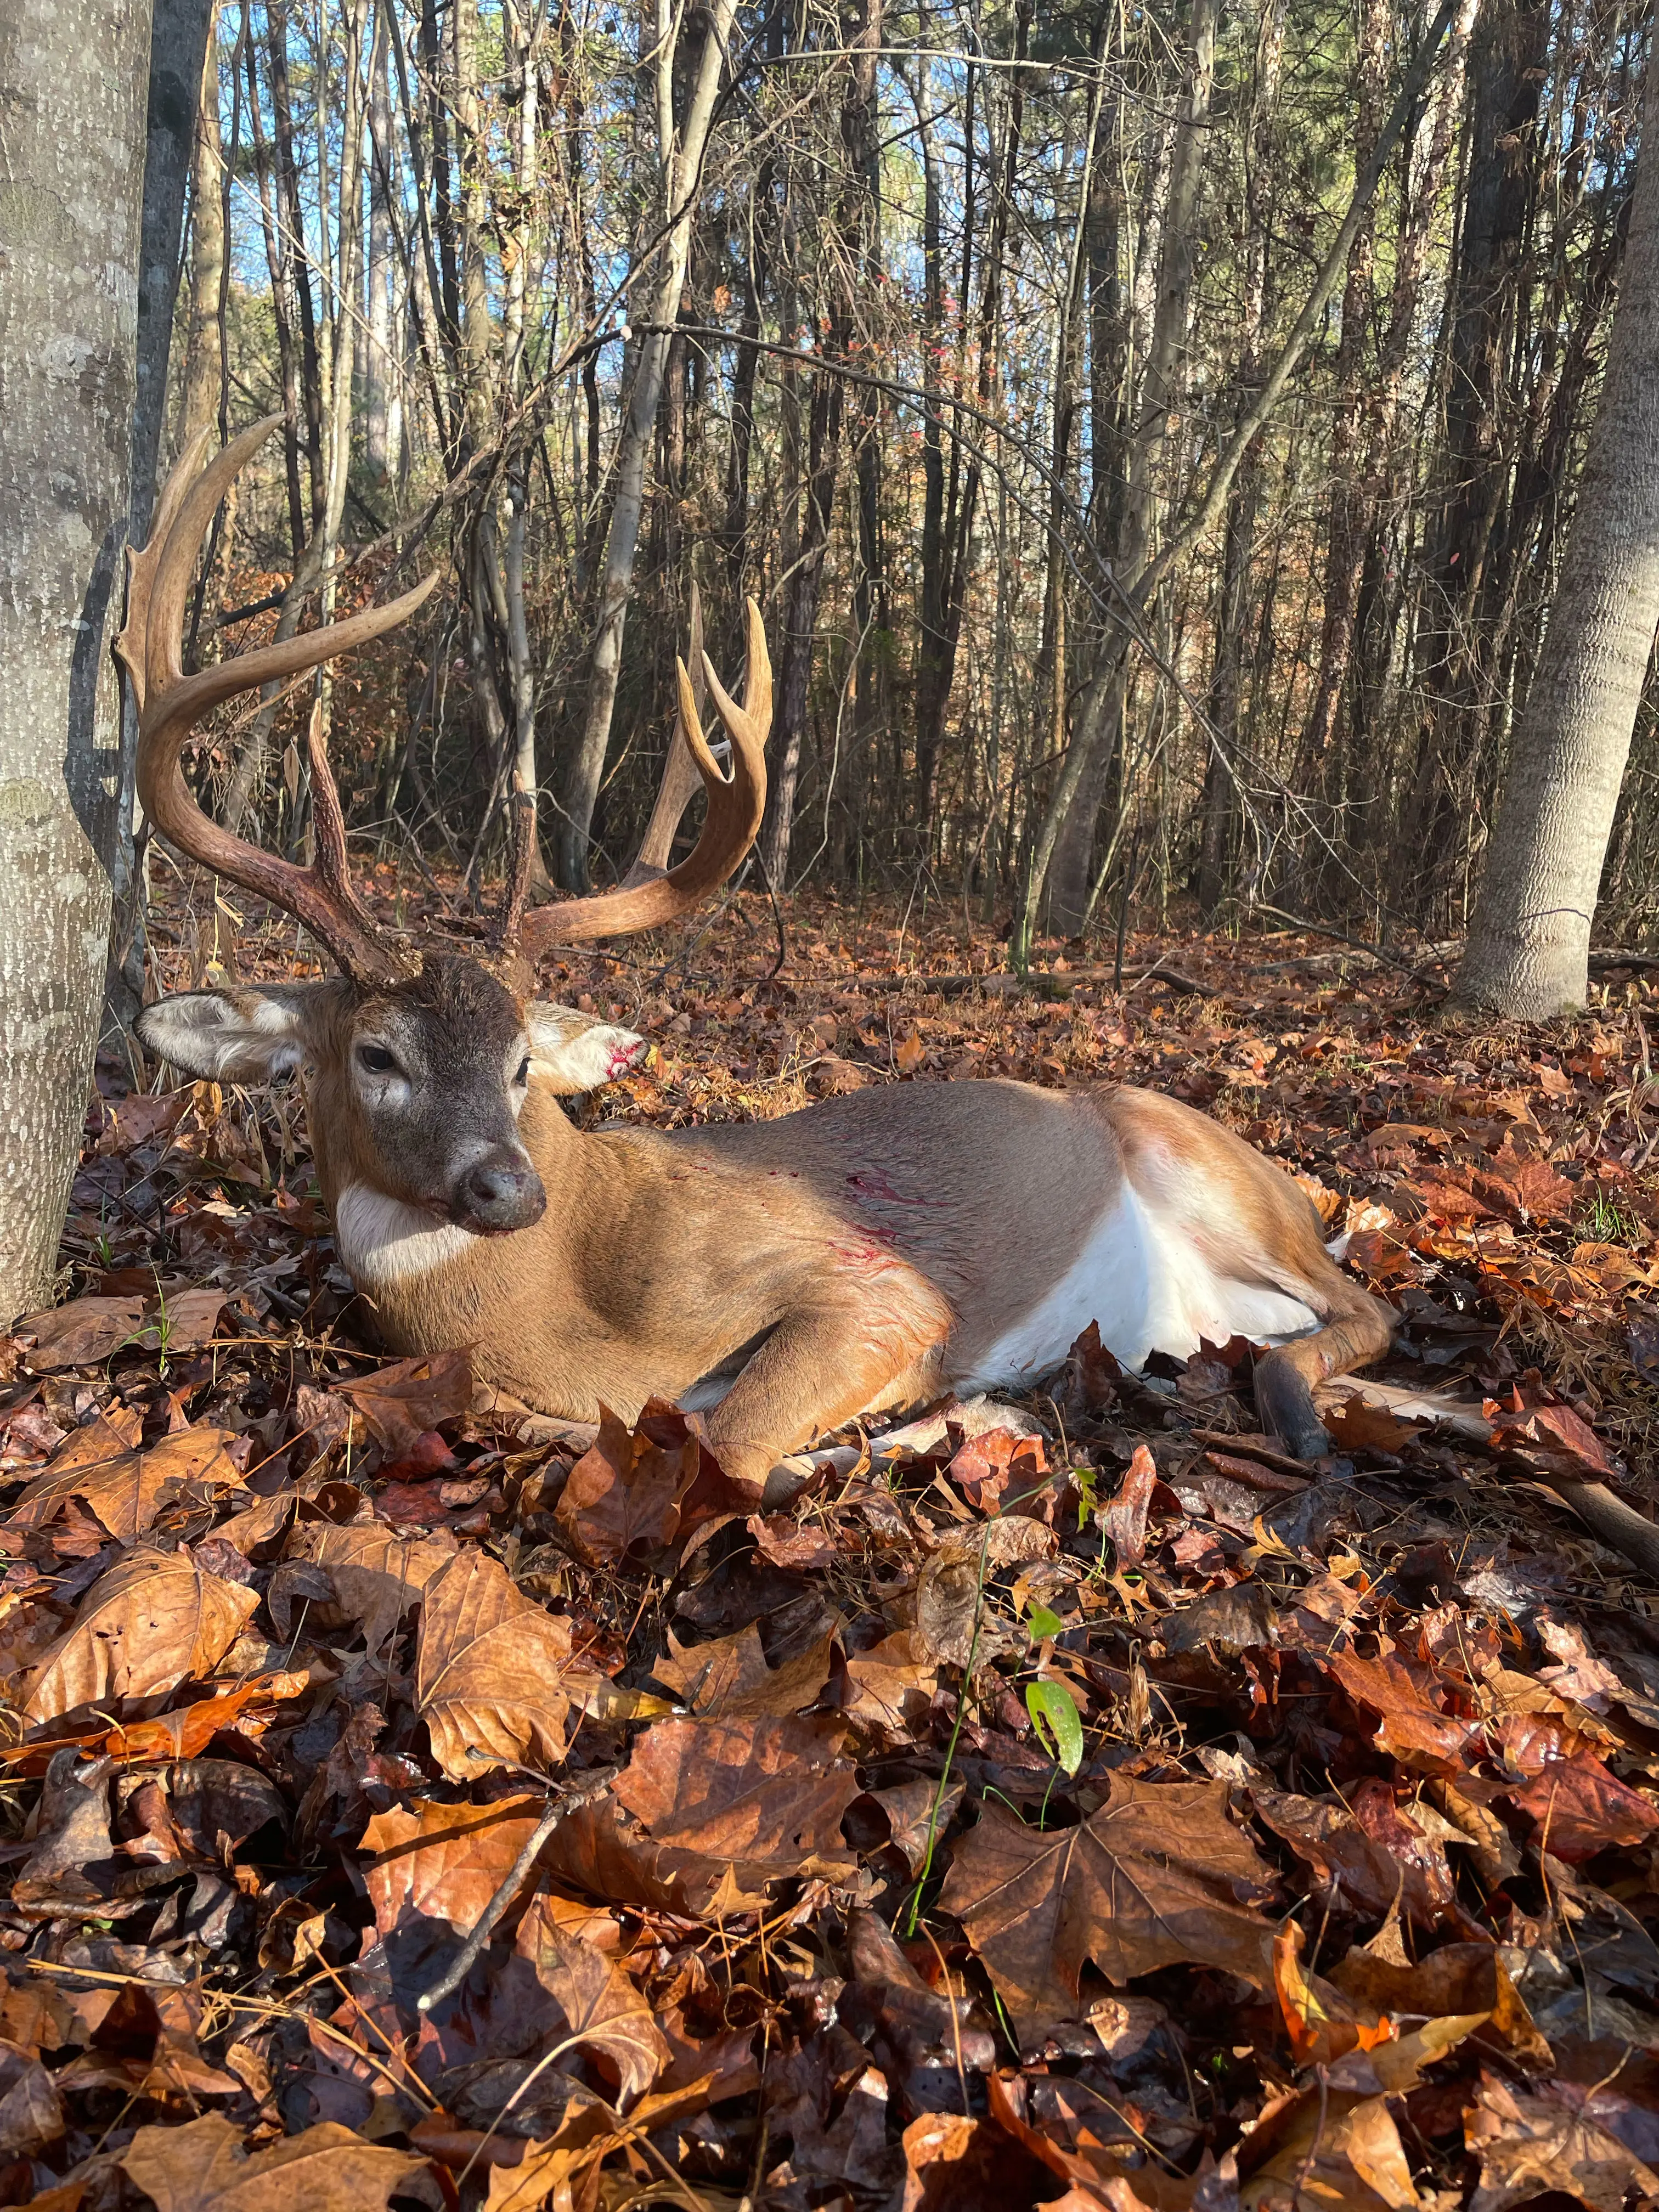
171 703
654 893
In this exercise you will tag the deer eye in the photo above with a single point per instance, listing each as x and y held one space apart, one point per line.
523 1075
376 1059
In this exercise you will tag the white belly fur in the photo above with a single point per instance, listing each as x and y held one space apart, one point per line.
1150 1290
382 1241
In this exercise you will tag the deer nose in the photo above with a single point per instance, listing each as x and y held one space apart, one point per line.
500 1191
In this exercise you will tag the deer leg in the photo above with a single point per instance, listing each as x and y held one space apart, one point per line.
819 1368
1285 1380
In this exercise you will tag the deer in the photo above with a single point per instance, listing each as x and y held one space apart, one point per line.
870 1253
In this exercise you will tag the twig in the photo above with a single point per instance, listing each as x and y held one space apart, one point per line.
467 1957
1341 936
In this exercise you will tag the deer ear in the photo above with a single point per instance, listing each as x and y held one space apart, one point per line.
245 1036
575 1053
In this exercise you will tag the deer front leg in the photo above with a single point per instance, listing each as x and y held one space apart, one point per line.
826 1361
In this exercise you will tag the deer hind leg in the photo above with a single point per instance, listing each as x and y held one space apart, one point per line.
1360 1330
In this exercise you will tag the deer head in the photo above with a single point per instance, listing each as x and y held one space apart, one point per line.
416 1063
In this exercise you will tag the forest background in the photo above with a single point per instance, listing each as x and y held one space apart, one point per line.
947 334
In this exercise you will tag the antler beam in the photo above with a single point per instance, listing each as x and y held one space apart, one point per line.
171 704
736 804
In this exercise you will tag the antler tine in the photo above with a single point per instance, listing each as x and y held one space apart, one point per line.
736 804
681 776
171 704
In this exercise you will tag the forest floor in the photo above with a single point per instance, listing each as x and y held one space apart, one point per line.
1082 1806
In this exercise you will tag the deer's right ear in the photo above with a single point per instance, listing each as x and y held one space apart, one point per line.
239 1037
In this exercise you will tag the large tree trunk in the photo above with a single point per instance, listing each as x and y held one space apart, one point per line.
180 35
1528 950
73 83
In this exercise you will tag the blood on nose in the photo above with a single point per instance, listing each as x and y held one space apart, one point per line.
500 1191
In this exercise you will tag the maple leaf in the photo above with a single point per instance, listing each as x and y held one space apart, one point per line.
1415 1730
766 1793
201 2168
378 1572
489 1671
1158 1876
626 1490
153 1619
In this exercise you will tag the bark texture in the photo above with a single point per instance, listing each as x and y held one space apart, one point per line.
1528 950
74 77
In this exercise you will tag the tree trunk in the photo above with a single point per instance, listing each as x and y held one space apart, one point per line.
681 159
73 83
1509 46
1528 950
207 258
180 33
1070 870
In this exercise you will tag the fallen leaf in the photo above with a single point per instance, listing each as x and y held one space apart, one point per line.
401 1402
729 1679
603 2007
765 1793
1158 1876
127 1489
626 1490
1367 1858
378 1573
489 1671
81 1333
1126 1517
1529 2146
201 2168
149 1623
1411 1726
443 1861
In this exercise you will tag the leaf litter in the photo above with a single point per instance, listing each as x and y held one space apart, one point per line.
1071 1803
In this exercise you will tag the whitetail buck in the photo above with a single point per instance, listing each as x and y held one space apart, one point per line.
871 1252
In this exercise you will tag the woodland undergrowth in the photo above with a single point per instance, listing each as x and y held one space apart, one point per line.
1077 1804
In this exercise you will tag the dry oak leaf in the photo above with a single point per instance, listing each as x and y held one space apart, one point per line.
444 1862
1158 1876
154 1619
378 1572
401 1402
126 1490
765 1793
201 2168
489 1669
604 2009
1529 2147
729 1680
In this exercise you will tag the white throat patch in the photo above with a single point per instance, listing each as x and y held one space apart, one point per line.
382 1241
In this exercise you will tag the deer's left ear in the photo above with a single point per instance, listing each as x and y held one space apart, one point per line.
576 1053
